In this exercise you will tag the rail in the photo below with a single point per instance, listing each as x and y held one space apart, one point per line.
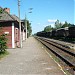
63 53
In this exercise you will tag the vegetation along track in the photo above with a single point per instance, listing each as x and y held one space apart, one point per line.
63 53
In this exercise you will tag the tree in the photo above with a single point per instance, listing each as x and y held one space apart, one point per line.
58 24
48 28
29 28
1 10
67 24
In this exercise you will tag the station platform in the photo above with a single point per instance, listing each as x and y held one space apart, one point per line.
32 59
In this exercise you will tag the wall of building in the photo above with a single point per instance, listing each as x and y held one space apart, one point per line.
13 40
6 28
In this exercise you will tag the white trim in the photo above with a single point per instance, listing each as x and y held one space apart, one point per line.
13 39
16 28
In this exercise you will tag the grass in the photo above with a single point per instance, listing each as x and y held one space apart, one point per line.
3 54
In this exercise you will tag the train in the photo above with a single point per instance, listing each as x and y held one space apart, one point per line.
67 32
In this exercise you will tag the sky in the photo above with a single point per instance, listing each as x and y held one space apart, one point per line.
44 12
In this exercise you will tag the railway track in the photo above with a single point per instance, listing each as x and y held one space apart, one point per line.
65 54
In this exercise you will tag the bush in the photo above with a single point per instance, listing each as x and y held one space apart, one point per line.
3 42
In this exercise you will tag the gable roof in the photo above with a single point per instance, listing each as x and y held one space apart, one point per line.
4 16
15 17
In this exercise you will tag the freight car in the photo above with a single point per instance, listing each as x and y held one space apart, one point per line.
41 34
53 33
67 32
72 32
62 32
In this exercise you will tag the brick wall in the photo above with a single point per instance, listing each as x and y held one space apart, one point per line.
7 29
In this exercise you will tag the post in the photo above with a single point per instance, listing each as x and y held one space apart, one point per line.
19 23
26 26
26 22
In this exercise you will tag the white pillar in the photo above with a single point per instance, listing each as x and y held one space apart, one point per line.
23 35
13 38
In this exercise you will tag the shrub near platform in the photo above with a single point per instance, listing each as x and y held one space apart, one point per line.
3 46
3 54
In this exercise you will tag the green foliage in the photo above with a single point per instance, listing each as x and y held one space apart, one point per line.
3 54
3 42
66 24
1 11
58 24
48 28
29 29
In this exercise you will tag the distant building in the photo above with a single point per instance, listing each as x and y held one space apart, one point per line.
9 25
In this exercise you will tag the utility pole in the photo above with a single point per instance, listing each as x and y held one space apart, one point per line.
26 26
19 23
26 22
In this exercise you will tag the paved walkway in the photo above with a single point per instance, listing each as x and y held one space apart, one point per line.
29 60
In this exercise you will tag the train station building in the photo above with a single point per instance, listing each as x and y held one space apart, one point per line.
9 25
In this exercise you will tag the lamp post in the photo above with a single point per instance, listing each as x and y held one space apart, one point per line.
26 27
26 22
19 23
